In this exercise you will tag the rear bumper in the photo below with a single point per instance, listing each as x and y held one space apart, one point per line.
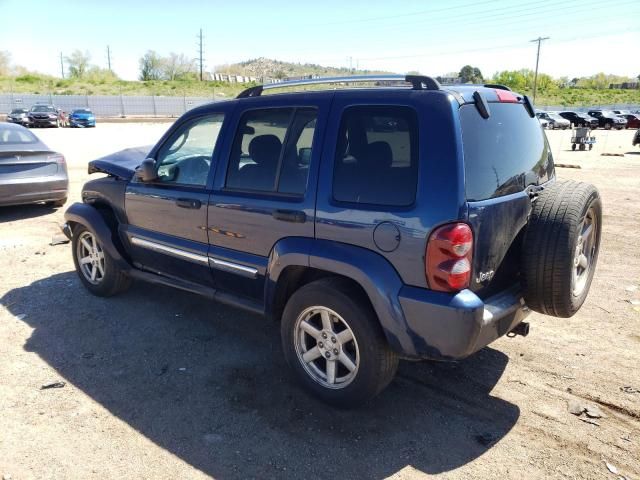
445 326
33 190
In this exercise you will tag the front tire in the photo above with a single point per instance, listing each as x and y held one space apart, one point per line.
333 343
96 269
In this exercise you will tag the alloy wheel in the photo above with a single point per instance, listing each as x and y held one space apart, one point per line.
90 258
326 347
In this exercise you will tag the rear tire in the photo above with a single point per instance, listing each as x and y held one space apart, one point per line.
560 248
607 126
324 320
96 269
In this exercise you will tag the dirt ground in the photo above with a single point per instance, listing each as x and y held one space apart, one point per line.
162 384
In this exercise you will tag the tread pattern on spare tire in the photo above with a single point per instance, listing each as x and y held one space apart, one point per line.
548 247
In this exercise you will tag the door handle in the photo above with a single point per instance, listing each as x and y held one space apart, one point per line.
188 203
295 216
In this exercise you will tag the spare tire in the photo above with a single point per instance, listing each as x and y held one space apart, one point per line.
560 248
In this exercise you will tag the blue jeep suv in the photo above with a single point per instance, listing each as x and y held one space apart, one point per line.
403 219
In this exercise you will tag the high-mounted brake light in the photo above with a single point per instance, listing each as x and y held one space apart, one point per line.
448 258
505 96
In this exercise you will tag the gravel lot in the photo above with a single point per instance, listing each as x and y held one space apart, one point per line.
164 384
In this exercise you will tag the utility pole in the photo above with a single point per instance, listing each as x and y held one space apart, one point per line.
350 64
61 66
109 57
535 78
200 51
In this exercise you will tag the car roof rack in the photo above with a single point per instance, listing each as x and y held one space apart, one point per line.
418 82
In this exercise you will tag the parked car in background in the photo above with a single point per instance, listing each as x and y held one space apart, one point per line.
579 119
543 123
82 117
621 112
44 115
636 138
19 116
368 235
30 172
608 120
633 119
554 120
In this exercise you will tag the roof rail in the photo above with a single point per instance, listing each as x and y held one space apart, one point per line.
418 82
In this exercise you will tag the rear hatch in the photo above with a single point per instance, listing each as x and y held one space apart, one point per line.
507 161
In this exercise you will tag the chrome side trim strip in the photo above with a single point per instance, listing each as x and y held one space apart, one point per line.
174 252
243 270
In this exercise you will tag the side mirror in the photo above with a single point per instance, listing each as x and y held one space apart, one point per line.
146 172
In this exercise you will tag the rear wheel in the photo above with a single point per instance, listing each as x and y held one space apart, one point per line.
560 248
97 270
607 126
333 342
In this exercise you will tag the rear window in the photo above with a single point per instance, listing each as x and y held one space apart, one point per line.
503 154
15 136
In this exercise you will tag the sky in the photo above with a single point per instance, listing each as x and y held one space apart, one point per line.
430 36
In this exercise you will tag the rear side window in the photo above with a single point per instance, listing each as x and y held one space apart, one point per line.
376 160
504 153
272 151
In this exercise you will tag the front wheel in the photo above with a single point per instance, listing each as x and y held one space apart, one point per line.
98 272
607 126
333 342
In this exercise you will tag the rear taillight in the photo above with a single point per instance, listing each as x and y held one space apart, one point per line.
58 158
448 258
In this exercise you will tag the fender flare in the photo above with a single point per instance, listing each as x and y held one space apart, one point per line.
91 218
371 271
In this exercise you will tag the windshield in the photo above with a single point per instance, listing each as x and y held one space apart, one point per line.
43 108
13 136
19 110
82 110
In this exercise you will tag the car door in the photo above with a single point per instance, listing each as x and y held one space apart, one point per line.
167 217
264 191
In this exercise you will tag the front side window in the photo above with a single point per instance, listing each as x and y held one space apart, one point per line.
272 150
186 157
376 160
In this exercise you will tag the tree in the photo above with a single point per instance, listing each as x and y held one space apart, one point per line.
151 66
78 63
5 63
469 74
177 66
